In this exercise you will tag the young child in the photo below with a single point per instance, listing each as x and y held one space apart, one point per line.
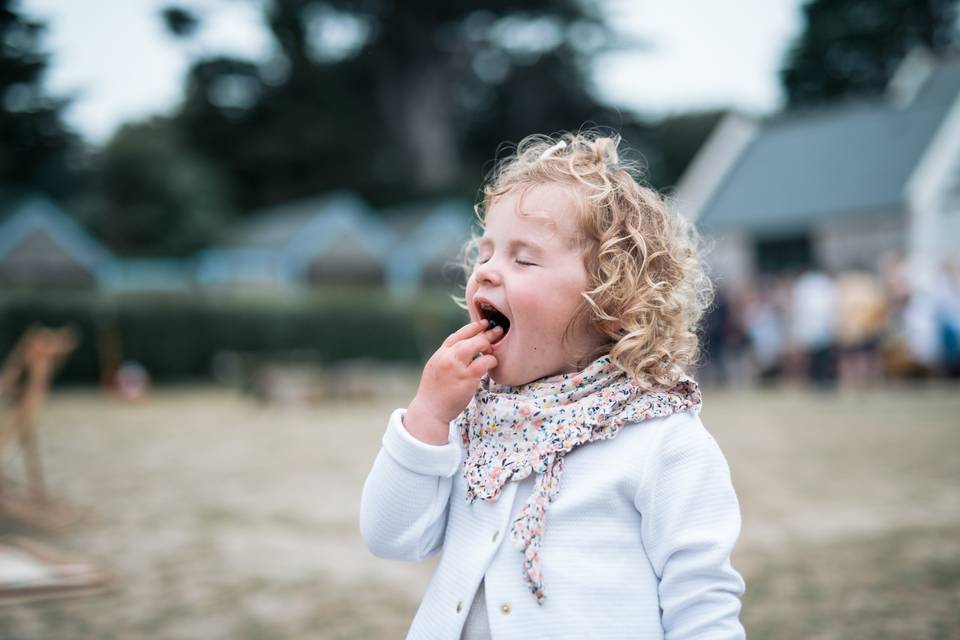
554 449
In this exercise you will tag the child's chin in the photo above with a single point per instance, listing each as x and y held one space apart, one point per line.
497 376
504 378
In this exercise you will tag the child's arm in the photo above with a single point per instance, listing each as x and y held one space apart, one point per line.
403 508
691 521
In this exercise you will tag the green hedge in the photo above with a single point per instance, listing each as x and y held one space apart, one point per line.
176 337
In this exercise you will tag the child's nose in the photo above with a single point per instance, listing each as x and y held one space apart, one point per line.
487 272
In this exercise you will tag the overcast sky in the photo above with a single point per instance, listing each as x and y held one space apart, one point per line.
117 61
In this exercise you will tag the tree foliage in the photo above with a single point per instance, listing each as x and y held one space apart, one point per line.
152 195
36 149
853 47
393 99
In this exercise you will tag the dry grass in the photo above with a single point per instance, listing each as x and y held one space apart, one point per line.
222 518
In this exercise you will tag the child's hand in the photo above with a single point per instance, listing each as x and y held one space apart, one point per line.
449 380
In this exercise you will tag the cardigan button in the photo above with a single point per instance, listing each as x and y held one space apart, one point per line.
496 534
505 608
459 606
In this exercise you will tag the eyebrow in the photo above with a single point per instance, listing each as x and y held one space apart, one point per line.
514 244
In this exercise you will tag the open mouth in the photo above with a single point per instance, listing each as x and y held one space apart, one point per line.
494 316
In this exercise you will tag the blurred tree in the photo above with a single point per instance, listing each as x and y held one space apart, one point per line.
179 21
392 99
37 152
854 46
152 195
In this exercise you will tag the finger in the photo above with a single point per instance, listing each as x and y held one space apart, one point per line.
464 332
492 335
467 349
482 364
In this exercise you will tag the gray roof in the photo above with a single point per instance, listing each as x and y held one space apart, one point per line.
37 213
278 226
855 157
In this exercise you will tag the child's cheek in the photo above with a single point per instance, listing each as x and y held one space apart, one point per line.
544 309
471 288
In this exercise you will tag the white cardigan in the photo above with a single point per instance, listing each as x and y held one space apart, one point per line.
636 545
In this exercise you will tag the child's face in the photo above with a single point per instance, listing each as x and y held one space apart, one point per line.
531 270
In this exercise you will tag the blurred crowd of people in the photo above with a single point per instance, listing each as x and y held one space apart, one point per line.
853 328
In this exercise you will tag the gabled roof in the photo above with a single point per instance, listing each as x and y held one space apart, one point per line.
276 227
308 227
845 159
428 234
428 229
39 214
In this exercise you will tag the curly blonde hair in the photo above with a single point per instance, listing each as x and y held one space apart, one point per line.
647 286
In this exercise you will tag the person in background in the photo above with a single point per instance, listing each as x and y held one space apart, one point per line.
946 300
765 330
813 325
861 325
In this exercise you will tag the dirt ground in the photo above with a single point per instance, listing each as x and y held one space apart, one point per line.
223 518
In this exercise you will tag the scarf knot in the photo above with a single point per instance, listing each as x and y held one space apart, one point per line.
510 432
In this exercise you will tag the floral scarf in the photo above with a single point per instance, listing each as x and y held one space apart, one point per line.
510 432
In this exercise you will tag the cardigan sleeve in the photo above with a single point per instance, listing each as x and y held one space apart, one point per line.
403 507
689 525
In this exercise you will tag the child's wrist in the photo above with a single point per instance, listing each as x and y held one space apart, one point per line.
425 427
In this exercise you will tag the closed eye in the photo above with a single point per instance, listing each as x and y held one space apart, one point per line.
526 264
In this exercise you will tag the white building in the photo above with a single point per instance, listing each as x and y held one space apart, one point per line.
836 186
